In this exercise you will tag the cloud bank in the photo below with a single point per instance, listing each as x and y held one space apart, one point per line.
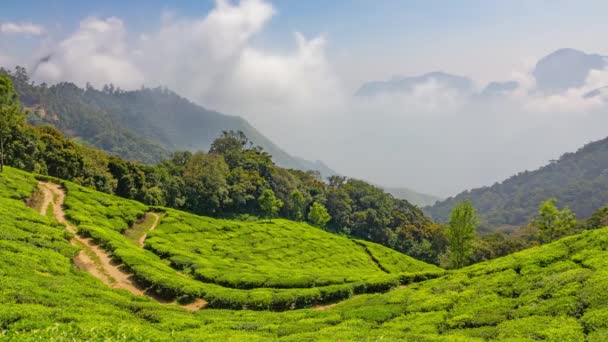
432 138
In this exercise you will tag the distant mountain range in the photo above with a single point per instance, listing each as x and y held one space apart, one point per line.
554 73
578 180
412 196
407 84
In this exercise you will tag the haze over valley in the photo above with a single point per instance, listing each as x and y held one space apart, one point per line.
483 114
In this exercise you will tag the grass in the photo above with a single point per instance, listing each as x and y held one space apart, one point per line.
556 292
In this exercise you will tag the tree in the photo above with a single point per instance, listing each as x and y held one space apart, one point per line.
297 205
318 215
461 233
10 115
552 223
205 180
269 204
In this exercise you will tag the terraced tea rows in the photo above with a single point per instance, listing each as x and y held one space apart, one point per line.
278 266
556 292
277 254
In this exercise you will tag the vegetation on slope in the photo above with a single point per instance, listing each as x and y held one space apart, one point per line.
260 265
261 254
578 180
144 124
555 292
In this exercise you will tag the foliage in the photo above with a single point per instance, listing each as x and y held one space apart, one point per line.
269 204
577 180
461 234
9 113
553 223
318 215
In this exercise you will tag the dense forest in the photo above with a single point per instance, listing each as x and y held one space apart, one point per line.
143 125
578 180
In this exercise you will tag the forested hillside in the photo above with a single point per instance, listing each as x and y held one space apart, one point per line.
144 125
578 180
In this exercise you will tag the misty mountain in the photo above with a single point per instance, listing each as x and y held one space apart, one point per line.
578 180
566 68
460 84
412 196
496 89
603 91
145 124
558 71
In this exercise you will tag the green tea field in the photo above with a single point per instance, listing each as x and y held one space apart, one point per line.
331 289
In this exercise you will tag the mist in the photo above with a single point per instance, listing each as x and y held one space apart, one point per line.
432 139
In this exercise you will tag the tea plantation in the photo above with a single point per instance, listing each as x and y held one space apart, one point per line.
278 265
556 292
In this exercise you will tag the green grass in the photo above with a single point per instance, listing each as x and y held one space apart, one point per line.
555 292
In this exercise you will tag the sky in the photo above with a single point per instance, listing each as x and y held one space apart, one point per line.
291 68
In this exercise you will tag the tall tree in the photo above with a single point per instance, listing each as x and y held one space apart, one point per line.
10 113
461 233
297 205
552 223
269 204
318 215
205 179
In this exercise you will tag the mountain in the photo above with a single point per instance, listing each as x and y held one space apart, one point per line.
566 68
600 92
412 196
398 85
496 89
316 165
578 180
558 71
145 124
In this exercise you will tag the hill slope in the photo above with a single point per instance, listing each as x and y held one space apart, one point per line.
143 124
554 292
578 180
412 196
260 265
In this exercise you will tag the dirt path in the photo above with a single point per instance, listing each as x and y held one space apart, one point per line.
142 239
323 307
94 259
91 258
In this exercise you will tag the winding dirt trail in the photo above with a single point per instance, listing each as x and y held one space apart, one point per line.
142 239
91 258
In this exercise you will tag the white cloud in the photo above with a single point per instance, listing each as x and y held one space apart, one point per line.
97 53
21 28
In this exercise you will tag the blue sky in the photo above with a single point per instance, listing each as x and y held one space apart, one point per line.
387 37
